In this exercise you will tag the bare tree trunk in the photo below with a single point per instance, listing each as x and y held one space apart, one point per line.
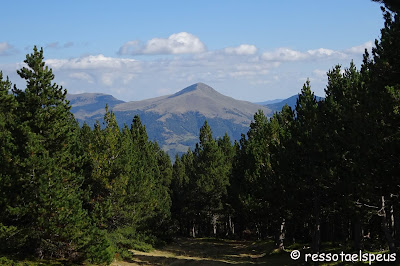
214 223
231 226
258 231
193 230
316 238
281 235
384 225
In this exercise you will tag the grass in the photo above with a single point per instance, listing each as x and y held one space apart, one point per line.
210 251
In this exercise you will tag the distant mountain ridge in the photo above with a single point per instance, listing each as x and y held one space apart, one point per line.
88 104
174 120
270 102
291 101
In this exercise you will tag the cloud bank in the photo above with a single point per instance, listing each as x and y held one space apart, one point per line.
178 43
244 49
242 72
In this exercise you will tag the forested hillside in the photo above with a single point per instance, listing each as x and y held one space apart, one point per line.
325 171
173 120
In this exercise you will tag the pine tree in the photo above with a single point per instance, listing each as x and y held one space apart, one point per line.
9 231
382 118
210 180
228 152
48 204
346 139
309 161
256 173
178 187
105 181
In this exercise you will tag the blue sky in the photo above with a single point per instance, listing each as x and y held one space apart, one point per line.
250 50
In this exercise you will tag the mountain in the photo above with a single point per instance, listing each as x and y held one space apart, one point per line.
86 105
269 102
291 101
174 120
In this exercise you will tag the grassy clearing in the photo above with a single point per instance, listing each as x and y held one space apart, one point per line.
210 251
207 251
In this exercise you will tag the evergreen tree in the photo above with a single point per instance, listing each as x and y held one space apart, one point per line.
9 231
178 187
105 181
208 182
309 162
382 118
228 152
49 204
256 173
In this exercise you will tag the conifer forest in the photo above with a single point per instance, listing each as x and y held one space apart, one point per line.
325 171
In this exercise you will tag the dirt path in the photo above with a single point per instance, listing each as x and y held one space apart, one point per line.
211 252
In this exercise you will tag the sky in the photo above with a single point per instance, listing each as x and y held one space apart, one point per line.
250 50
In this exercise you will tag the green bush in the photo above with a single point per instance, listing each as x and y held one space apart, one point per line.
6 261
126 238
100 249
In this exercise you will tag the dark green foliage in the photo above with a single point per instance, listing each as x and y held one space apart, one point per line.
8 148
326 171
393 5
44 214
200 185
75 193
127 183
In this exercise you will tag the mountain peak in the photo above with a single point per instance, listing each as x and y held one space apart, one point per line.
197 87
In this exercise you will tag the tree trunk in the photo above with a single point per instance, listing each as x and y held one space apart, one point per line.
316 238
231 226
193 230
384 225
281 236
214 224
258 231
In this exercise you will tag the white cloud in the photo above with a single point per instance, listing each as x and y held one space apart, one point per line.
6 48
244 49
178 43
107 79
131 47
82 76
241 72
322 52
284 54
320 73
360 49
92 62
287 54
